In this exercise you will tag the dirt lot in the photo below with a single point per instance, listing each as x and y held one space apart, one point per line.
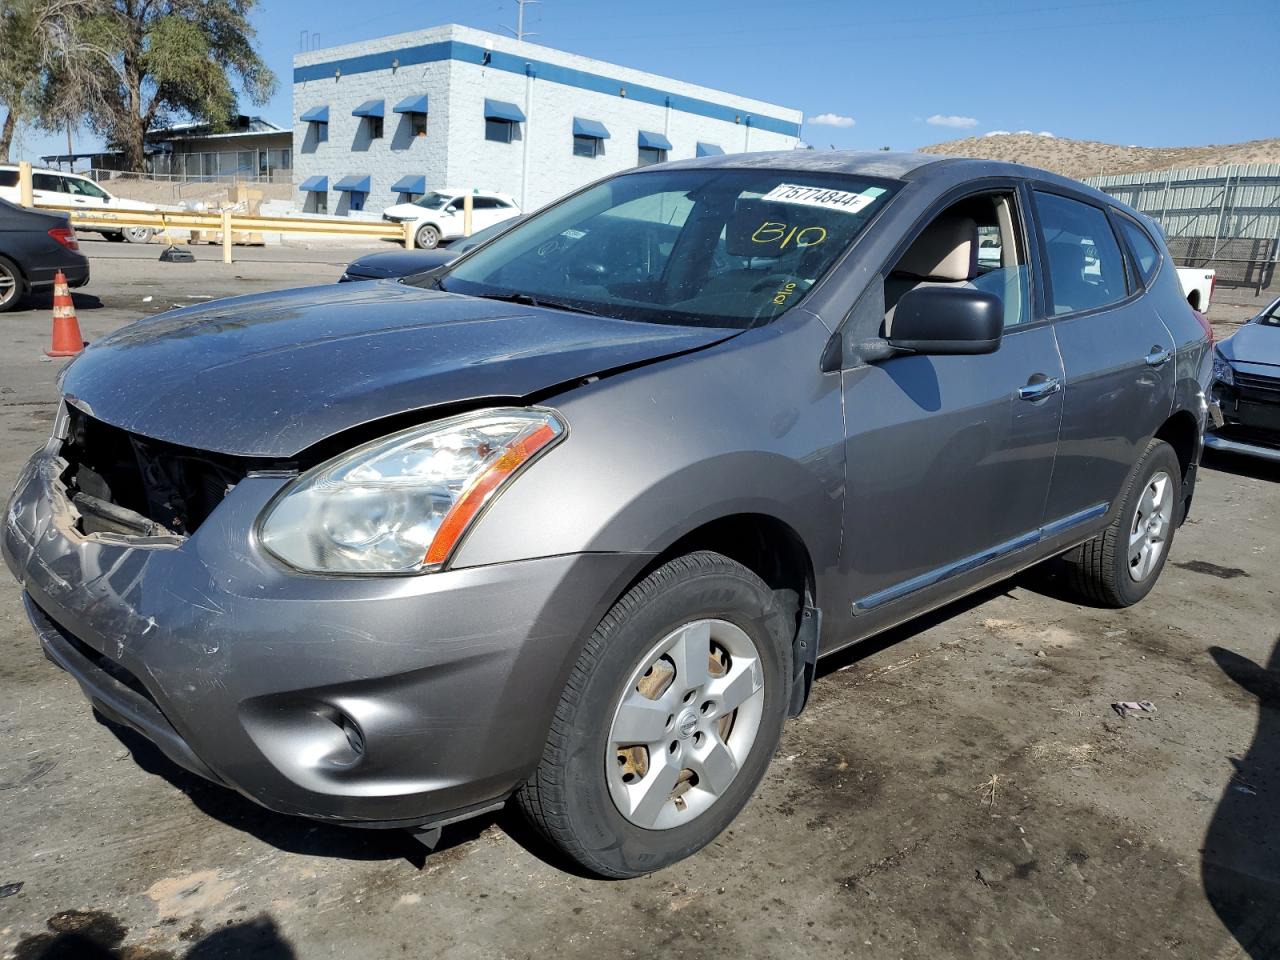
959 788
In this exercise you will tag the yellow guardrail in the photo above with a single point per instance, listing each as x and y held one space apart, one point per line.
229 222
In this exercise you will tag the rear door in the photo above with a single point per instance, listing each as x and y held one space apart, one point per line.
1116 355
49 188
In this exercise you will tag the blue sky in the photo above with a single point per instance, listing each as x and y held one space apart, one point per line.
906 74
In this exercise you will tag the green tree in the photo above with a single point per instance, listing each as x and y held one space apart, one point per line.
133 65
19 66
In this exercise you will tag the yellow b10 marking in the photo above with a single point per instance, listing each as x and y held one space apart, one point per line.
773 231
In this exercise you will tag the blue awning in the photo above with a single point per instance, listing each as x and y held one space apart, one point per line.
501 110
353 184
315 185
416 104
589 128
410 184
316 115
370 108
709 149
654 141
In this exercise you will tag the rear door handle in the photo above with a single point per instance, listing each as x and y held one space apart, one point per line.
1158 356
1039 387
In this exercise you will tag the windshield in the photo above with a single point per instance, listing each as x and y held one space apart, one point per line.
433 200
1271 318
716 248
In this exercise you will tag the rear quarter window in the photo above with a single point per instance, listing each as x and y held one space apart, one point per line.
1144 251
8 178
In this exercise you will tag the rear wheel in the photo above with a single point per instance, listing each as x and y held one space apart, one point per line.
12 285
137 234
668 721
428 237
1120 566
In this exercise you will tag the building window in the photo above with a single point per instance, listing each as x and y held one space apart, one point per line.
317 203
322 132
499 131
650 156
375 128
355 201
585 146
418 124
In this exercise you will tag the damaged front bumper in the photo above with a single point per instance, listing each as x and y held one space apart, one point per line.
379 701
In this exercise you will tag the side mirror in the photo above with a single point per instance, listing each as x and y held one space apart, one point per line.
947 320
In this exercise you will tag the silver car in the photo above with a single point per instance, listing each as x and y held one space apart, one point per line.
1246 388
570 520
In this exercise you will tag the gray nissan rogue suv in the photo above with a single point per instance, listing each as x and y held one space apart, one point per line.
570 519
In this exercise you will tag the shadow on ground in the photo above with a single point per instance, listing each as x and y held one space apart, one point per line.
1241 860
95 935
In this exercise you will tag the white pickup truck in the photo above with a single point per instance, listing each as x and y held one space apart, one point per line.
1197 286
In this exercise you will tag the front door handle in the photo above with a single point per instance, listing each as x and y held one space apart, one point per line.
1039 387
1158 356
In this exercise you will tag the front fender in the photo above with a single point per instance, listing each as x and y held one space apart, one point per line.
748 426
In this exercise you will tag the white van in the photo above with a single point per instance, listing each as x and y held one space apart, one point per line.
73 189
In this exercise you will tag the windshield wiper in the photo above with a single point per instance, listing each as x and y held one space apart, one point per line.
533 301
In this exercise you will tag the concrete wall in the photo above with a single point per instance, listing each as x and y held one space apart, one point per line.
537 167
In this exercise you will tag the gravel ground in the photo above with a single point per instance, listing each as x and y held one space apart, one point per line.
958 788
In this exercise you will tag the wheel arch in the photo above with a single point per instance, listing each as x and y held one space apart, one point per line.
1182 432
767 546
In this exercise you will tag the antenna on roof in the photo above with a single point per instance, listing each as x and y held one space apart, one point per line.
519 32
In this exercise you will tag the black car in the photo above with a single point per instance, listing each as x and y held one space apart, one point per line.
34 246
396 264
1246 389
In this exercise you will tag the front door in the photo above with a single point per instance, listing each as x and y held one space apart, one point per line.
1116 352
949 458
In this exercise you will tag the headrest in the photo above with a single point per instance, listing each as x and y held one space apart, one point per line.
947 250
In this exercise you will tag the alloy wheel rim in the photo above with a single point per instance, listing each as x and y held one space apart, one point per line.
684 724
1152 522
8 285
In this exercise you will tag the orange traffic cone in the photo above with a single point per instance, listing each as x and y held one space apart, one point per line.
67 341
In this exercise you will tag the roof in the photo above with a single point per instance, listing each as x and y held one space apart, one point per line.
870 163
880 163
241 124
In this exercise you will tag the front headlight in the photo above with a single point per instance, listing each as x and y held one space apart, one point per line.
1222 372
402 504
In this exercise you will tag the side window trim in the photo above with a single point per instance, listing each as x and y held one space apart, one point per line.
1040 186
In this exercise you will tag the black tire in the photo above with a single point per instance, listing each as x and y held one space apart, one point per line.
1098 570
13 285
567 799
427 237
137 234
114 237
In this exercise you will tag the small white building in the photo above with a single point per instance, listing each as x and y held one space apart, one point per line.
386 120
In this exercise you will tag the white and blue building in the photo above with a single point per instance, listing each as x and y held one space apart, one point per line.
384 121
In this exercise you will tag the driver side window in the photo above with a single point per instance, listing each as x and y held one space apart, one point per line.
977 243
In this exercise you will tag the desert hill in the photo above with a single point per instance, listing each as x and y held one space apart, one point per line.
1089 158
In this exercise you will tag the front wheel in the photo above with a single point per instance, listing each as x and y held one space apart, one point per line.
1119 567
428 237
137 234
669 719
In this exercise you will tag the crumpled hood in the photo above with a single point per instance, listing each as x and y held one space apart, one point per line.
1253 343
271 374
